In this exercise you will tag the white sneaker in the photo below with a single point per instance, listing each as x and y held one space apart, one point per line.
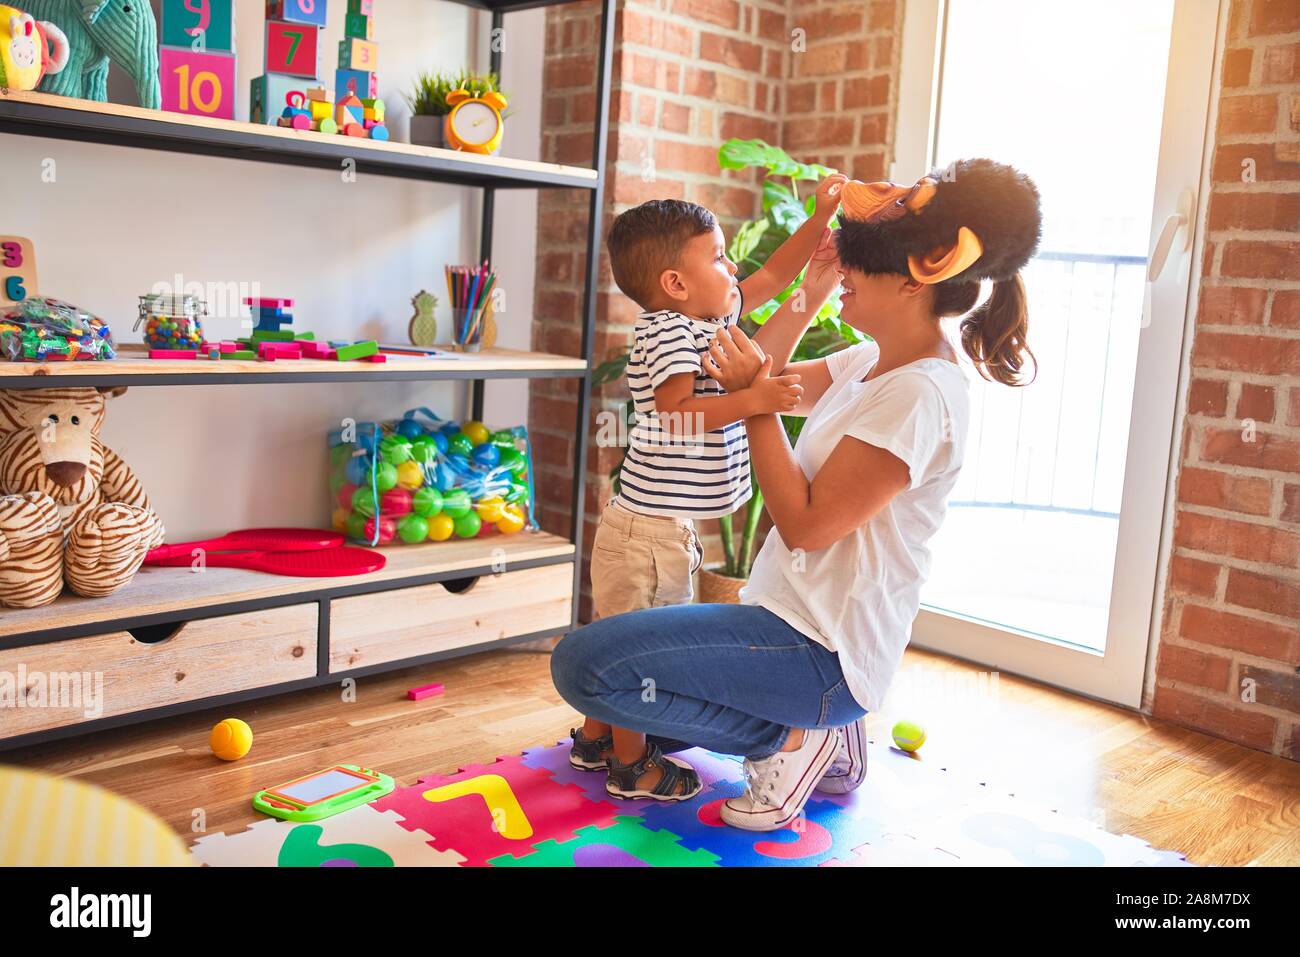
849 769
777 788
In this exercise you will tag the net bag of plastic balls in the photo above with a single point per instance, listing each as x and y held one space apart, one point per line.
425 479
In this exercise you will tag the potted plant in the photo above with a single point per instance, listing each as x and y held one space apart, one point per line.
784 211
427 100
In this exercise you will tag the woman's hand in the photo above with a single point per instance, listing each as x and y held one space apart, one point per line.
823 275
828 195
734 359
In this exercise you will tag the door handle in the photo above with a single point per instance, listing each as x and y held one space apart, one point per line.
1165 241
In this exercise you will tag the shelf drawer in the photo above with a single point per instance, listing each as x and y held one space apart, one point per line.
82 679
405 623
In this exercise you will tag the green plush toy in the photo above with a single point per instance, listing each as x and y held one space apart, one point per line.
98 31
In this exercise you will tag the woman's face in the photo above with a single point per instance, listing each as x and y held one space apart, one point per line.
868 302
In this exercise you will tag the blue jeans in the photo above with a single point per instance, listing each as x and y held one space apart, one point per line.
735 679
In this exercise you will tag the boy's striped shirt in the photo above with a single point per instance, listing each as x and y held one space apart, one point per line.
665 473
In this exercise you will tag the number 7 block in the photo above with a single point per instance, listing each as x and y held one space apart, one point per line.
292 48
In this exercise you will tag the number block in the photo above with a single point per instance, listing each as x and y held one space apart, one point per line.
297 11
363 7
268 95
202 84
356 54
292 48
209 22
360 83
359 25
17 269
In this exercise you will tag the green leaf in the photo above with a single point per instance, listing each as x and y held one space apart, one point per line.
739 154
774 194
746 240
788 215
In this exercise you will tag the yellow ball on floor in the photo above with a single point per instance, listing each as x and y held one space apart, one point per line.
908 735
231 739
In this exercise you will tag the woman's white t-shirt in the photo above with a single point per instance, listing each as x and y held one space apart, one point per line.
859 595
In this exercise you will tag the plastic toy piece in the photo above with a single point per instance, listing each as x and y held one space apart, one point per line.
173 354
245 539
267 303
376 358
424 691
358 350
239 354
272 335
270 351
315 350
323 793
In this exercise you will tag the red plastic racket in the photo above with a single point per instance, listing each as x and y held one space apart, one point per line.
252 539
322 563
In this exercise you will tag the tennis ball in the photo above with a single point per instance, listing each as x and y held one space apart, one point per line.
231 739
908 735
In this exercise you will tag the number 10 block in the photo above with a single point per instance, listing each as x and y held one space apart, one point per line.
202 84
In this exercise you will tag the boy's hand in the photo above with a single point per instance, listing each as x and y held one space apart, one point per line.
828 195
774 394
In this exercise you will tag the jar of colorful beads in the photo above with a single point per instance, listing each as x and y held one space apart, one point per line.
172 322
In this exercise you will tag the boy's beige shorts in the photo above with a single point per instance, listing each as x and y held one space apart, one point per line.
642 561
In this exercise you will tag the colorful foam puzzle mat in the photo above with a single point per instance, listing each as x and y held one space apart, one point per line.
534 810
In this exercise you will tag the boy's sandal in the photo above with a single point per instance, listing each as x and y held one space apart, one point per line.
678 782
588 754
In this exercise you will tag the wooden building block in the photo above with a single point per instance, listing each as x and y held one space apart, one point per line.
357 82
359 25
268 95
356 54
202 25
363 7
17 269
239 354
358 350
201 84
292 48
297 11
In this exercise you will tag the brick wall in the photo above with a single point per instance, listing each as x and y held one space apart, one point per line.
688 75
1229 660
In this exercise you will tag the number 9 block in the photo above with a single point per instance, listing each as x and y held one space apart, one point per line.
210 22
202 84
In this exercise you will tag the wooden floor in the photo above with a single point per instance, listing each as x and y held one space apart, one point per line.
1219 803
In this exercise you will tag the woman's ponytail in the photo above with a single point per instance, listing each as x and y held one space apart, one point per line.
994 334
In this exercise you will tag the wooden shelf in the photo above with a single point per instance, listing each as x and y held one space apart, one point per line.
132 367
60 117
179 592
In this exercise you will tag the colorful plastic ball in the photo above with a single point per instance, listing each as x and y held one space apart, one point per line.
490 509
485 529
409 428
363 501
467 525
424 449
387 530
395 449
231 739
486 455
340 454
385 476
512 519
356 526
410 475
460 444
456 503
503 439
440 441
358 470
449 429
426 501
396 501
478 432
441 527
339 521
908 735
413 529
444 477
337 481
344 497
518 492
515 459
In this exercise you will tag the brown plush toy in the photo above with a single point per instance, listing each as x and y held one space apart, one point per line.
70 509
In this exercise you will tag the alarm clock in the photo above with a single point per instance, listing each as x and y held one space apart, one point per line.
474 124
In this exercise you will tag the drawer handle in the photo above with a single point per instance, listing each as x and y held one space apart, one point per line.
458 586
156 634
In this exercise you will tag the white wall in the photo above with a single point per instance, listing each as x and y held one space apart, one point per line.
116 221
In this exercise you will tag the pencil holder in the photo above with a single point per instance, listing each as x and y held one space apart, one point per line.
468 326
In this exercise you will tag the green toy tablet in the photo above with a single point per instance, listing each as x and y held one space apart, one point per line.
323 793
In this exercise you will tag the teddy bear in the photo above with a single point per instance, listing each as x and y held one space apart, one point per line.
71 511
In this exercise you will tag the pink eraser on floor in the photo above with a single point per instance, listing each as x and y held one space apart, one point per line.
426 691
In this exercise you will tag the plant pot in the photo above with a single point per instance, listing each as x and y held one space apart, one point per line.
716 588
427 131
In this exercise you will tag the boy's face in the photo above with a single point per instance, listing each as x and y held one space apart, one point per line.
704 282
